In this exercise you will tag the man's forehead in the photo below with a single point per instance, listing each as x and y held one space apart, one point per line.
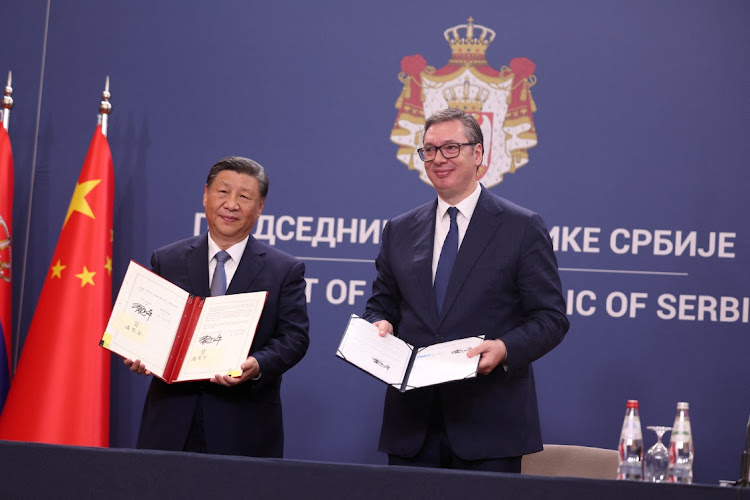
444 132
230 178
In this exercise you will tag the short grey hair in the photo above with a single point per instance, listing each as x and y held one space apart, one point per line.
471 127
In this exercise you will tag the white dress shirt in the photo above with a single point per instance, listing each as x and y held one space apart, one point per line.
443 223
230 266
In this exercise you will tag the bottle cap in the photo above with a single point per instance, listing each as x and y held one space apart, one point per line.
633 403
683 406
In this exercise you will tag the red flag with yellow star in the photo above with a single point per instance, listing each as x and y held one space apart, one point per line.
60 392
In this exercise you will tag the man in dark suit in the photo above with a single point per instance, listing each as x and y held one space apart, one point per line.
228 415
502 282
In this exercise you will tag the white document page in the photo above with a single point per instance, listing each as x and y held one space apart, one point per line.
145 318
223 335
383 357
444 362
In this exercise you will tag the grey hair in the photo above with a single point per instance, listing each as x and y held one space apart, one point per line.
471 127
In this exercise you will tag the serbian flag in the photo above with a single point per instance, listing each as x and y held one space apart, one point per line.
6 286
60 391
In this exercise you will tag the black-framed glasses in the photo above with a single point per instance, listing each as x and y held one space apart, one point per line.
450 150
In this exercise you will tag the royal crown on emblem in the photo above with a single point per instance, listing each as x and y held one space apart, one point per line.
463 42
466 96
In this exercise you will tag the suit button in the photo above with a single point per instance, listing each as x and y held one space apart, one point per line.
439 337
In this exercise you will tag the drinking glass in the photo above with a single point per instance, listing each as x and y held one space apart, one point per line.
657 457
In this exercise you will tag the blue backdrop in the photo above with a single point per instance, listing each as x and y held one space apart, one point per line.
640 170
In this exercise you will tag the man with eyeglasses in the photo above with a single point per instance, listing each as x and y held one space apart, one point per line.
469 263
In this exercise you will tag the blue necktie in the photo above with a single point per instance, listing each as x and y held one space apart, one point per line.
219 281
447 259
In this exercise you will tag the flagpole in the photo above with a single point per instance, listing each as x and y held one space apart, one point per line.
7 101
105 108
32 177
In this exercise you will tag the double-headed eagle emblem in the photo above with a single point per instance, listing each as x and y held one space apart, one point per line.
500 100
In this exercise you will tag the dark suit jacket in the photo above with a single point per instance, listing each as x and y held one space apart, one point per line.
504 284
245 419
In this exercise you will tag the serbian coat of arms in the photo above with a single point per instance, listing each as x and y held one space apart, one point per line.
5 274
500 101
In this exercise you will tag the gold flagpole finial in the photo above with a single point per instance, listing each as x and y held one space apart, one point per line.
7 101
105 108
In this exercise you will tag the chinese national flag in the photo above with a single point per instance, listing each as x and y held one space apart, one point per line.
60 392
6 230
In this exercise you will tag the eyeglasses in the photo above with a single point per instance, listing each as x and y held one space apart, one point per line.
450 150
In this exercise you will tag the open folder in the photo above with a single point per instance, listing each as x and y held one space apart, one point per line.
178 336
402 365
